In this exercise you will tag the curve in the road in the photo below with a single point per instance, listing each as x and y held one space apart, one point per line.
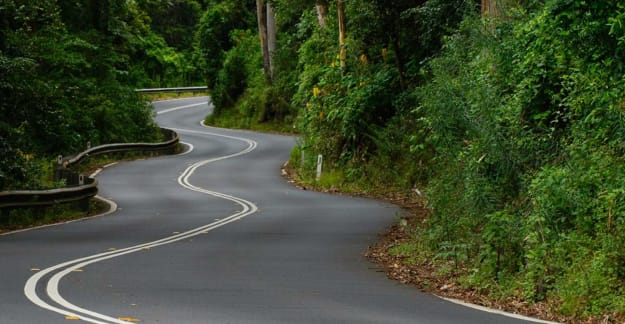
297 261
58 272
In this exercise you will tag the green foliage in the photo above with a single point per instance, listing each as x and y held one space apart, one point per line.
214 34
61 87
243 96
17 219
525 119
241 64
515 123
344 111
174 20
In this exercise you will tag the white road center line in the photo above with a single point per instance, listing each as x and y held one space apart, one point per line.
59 271
181 107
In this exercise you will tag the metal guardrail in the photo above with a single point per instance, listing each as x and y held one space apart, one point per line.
80 188
183 89
126 147
42 198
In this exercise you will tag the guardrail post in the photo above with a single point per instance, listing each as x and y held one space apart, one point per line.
58 169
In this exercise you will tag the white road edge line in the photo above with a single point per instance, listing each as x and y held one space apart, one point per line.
495 311
189 149
73 310
112 209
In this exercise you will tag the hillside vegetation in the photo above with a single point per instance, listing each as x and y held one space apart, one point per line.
510 118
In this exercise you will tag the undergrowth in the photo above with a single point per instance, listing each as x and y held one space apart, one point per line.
18 219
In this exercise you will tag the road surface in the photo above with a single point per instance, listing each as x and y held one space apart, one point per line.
215 235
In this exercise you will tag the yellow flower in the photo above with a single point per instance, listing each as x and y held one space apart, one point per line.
25 156
363 59
316 91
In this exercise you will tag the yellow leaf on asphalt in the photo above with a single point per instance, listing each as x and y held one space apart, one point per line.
72 317
129 319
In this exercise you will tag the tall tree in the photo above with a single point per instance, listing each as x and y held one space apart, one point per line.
490 8
322 12
261 14
342 30
271 35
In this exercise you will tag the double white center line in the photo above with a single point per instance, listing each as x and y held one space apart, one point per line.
58 272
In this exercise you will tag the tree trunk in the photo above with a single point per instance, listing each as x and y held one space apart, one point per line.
489 8
261 13
271 36
322 13
342 30
399 61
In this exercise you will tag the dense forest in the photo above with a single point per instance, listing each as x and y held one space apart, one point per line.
508 115
68 70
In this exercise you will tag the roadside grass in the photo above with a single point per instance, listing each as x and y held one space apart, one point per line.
230 118
405 252
23 218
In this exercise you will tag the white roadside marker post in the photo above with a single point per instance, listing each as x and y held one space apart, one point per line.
319 165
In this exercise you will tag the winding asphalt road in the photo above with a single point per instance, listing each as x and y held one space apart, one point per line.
213 236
